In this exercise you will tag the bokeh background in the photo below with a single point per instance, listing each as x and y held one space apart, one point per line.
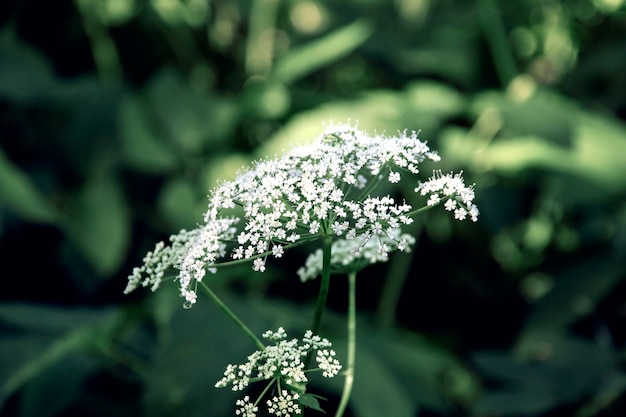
118 116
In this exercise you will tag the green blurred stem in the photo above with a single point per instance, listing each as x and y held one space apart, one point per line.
232 316
349 372
103 46
491 22
260 43
396 276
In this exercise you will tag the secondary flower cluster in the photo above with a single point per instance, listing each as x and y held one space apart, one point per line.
284 364
354 255
333 187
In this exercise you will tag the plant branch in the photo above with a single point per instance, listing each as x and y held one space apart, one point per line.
233 316
349 372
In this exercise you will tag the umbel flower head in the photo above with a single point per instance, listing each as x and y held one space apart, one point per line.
284 364
330 187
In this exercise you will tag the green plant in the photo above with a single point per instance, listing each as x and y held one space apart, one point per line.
334 191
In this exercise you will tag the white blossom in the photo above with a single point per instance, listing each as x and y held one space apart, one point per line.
246 408
282 362
285 404
357 253
458 197
329 187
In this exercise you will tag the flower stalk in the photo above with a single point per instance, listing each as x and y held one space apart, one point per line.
351 355
245 329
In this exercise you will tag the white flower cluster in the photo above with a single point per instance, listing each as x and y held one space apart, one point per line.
284 404
458 197
356 254
284 363
327 188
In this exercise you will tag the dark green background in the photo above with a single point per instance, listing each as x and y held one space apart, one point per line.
118 116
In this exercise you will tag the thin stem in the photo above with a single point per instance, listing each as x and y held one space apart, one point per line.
302 241
349 372
323 294
392 290
421 209
495 32
233 316
260 44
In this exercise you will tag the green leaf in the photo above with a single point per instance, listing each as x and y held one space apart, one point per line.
568 370
420 365
302 61
423 106
18 193
310 401
144 147
57 387
545 132
577 289
24 72
190 120
192 358
100 224
43 338
376 391
179 204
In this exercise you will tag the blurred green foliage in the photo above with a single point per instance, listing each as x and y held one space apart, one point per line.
118 116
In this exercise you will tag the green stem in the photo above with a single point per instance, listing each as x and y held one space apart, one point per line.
323 294
420 210
495 32
349 372
302 241
233 316
260 44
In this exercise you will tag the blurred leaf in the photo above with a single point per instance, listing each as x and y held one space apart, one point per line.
42 338
596 154
100 223
376 391
422 106
444 48
178 204
541 114
18 193
265 99
576 291
298 63
430 375
54 389
185 367
570 370
612 389
189 119
144 147
25 74
45 320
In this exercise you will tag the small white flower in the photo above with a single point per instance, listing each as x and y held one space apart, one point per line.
450 205
258 265
327 363
394 177
278 251
246 408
